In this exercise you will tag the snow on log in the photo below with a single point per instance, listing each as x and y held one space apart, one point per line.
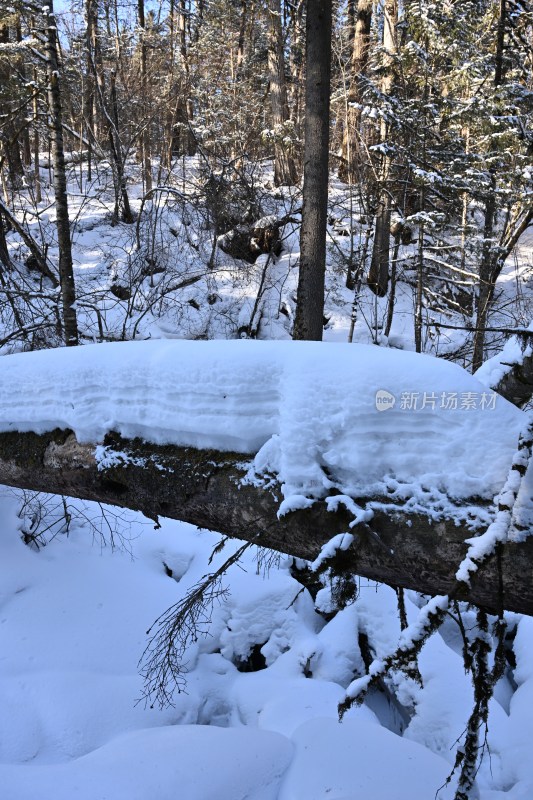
290 442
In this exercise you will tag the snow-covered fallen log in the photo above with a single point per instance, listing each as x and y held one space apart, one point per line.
510 373
287 444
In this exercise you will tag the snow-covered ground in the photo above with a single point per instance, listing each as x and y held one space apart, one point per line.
73 618
258 719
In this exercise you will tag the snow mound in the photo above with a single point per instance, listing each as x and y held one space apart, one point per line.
492 371
360 419
73 617
162 763
338 762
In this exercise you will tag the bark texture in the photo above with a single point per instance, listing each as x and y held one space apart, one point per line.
351 149
145 136
206 488
309 321
285 173
11 122
66 268
378 275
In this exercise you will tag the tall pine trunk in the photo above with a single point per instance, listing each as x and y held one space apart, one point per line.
296 63
360 37
284 167
378 276
309 322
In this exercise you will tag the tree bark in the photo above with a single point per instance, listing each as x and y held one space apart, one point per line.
284 166
488 272
145 136
108 112
296 63
486 283
242 37
500 44
360 52
9 140
66 269
205 488
91 15
36 144
378 276
309 322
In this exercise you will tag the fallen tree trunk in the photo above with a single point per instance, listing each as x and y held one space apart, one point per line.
517 384
248 241
208 488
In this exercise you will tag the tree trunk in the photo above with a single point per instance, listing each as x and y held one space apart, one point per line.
66 269
36 144
5 260
487 274
23 128
284 166
123 200
360 52
88 93
309 322
109 114
296 63
242 37
9 142
500 43
6 266
486 284
205 488
178 138
145 136
378 276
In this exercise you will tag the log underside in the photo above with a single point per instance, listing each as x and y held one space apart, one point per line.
206 488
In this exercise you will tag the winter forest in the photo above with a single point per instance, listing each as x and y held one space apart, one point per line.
266 380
